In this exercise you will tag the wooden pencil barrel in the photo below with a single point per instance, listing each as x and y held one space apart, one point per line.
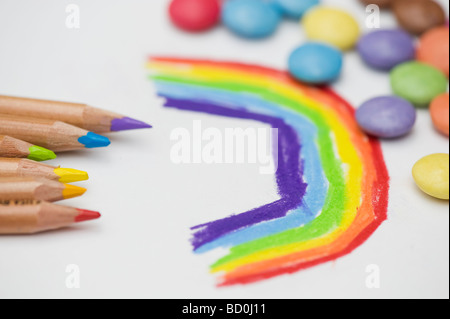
17 167
54 135
44 109
11 147
80 115
29 188
27 217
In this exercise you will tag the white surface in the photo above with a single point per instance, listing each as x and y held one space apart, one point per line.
140 247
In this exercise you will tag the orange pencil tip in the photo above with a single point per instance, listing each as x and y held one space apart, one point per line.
85 215
71 191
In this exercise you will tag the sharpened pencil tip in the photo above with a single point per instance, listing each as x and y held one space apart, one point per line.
69 175
85 215
127 123
71 191
40 154
92 140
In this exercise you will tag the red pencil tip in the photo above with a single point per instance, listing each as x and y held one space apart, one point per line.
85 215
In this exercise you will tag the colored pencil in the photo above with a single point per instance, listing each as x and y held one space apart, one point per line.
54 135
89 118
28 188
19 167
14 148
28 217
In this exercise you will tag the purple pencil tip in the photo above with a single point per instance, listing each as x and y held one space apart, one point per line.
127 123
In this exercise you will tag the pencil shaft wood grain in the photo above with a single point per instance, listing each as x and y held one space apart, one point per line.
26 217
80 115
14 148
29 188
54 135
20 167
16 167
11 147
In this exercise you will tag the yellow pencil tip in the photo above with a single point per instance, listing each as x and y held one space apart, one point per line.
71 191
68 175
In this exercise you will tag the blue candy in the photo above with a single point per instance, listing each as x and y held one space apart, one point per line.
295 8
316 63
251 18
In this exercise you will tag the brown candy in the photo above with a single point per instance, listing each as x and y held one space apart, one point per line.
418 16
380 3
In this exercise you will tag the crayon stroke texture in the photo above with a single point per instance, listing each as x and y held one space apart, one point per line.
332 179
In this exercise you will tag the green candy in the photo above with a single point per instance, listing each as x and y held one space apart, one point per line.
418 83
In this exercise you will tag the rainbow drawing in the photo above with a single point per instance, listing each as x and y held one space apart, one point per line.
332 179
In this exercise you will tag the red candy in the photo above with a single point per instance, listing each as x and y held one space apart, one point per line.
195 15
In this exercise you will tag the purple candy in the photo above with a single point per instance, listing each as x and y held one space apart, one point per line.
386 117
385 49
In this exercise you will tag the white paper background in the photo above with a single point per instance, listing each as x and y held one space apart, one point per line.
140 247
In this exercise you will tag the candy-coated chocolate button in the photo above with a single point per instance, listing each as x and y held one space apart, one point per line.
418 83
332 26
385 49
251 18
386 117
431 175
295 9
194 15
439 110
315 63
419 16
434 49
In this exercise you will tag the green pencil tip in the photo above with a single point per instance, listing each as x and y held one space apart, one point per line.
38 153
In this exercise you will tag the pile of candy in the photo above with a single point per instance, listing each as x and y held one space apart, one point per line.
416 55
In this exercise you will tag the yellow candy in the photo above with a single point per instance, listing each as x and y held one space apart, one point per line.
431 174
332 26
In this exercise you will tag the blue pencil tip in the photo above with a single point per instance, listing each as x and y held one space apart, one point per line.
92 140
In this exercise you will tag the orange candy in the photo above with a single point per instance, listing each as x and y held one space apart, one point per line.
434 49
439 110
